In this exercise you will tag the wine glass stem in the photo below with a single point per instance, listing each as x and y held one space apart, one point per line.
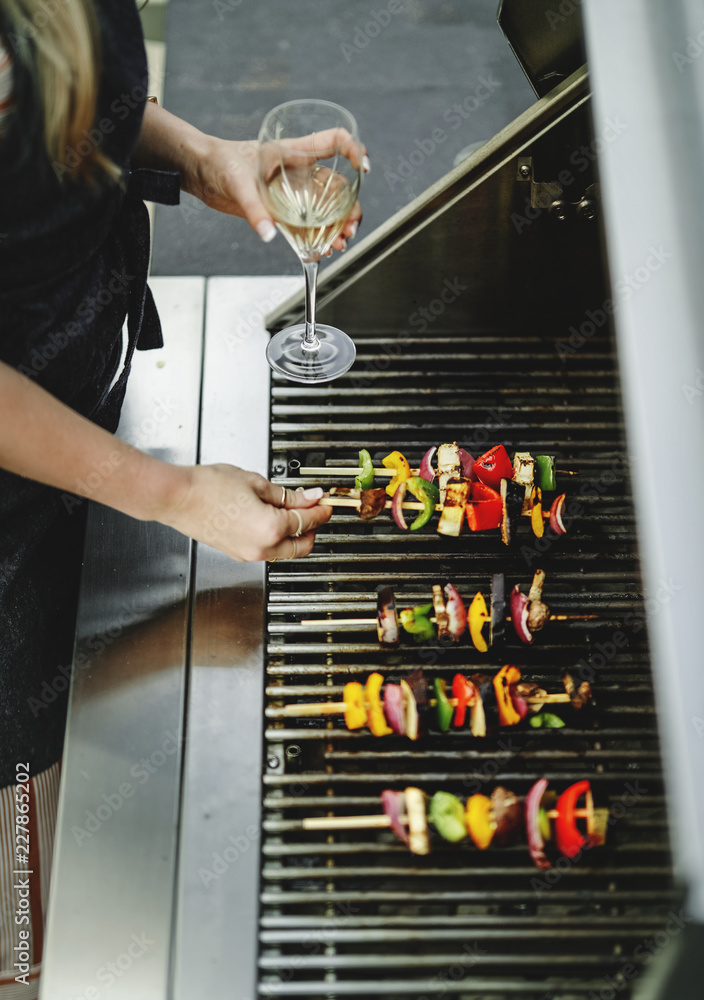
310 341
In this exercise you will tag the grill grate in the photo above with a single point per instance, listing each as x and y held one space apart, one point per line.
353 913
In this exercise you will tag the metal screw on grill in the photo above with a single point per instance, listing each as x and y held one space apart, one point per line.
278 469
272 761
586 209
558 210
293 751
524 170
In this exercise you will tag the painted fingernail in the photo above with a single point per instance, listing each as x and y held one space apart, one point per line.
344 244
354 226
366 165
267 230
315 493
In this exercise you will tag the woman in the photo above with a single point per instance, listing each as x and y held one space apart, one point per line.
79 149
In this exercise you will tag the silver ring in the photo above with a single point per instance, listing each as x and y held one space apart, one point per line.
293 542
283 496
298 533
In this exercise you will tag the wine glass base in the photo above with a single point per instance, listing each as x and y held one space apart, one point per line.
334 357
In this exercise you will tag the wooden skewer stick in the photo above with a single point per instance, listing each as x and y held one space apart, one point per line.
371 622
381 821
329 501
340 707
352 470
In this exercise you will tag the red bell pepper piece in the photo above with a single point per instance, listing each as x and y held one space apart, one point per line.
485 515
493 466
465 693
479 491
568 838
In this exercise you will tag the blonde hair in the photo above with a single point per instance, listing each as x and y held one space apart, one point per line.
65 61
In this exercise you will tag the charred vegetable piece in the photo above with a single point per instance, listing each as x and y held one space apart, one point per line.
456 611
394 806
443 708
508 675
401 469
365 479
428 495
545 473
511 508
519 615
376 719
465 693
493 466
446 813
417 821
478 614
538 612
498 608
535 835
556 512
410 711
449 466
416 621
442 619
507 815
386 619
579 696
519 703
425 469
372 502
537 521
568 838
355 705
487 696
479 820
393 708
453 509
419 686
397 507
523 468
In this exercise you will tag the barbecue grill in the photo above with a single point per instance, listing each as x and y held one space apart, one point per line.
482 314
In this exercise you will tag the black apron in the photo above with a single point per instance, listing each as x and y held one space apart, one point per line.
73 266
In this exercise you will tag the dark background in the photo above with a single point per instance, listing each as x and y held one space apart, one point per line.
229 61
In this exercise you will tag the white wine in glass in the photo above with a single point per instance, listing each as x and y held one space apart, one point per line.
310 172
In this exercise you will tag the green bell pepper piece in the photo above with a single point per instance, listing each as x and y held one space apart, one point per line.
416 621
546 720
446 813
544 472
443 709
365 480
428 494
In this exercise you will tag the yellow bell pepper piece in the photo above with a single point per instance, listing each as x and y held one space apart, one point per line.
537 522
355 705
377 719
476 617
402 470
480 822
508 675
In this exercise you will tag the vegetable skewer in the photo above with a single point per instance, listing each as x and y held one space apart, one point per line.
528 614
502 700
501 820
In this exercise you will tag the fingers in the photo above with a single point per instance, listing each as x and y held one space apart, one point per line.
292 548
349 230
301 522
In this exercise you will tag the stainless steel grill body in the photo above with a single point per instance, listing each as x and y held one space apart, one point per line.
463 323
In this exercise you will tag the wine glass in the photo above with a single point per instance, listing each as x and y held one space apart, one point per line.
310 172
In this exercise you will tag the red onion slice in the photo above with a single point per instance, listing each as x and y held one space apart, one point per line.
394 806
425 469
519 615
535 838
393 708
520 704
456 611
556 511
467 465
396 506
